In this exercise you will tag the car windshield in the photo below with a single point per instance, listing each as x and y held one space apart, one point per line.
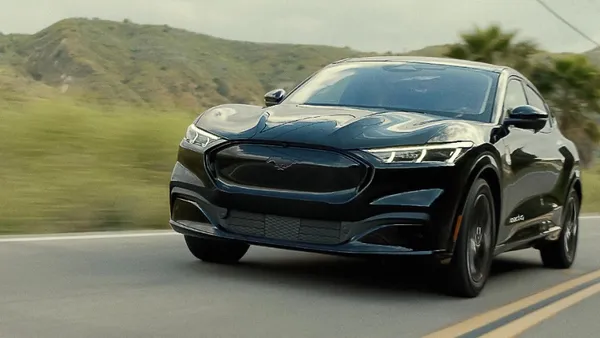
450 91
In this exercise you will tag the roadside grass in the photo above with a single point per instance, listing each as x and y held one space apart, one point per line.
65 167
591 190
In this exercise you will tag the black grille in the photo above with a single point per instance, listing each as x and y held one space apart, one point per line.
283 228
287 168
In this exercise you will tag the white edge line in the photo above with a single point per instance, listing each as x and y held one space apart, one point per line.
79 237
590 217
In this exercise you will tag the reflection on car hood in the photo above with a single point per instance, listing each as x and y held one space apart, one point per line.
340 127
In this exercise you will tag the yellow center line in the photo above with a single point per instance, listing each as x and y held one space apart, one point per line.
514 328
493 315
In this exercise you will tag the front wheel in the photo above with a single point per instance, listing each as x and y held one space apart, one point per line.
216 251
561 253
470 266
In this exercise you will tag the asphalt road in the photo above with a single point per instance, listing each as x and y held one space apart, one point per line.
151 286
581 320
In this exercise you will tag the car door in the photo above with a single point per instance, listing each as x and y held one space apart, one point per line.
555 160
525 161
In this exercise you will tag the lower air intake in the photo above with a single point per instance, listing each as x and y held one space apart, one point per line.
184 210
283 228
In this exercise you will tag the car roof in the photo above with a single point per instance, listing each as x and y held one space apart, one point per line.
429 60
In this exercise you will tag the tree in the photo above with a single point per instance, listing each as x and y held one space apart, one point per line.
492 45
571 84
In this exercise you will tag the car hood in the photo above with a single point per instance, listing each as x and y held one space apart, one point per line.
340 127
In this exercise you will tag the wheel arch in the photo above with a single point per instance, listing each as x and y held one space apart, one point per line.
575 184
578 189
486 164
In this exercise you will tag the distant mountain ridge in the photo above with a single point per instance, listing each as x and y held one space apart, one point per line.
156 66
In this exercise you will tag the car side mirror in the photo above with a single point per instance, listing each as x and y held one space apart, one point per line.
274 97
527 117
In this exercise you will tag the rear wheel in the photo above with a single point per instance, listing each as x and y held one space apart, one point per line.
561 253
216 251
470 266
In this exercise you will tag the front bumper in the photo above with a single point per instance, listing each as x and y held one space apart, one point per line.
396 234
352 248
405 210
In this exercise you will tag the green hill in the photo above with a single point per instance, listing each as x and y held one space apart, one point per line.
155 66
111 62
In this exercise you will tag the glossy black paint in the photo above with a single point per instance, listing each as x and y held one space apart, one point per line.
337 127
288 168
527 117
274 97
301 165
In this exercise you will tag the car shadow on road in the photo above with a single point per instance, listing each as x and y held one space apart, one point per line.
401 277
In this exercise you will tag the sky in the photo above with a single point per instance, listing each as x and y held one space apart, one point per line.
373 25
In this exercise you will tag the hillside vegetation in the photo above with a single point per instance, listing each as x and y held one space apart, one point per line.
123 63
157 66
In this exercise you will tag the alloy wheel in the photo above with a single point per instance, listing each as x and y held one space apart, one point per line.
571 229
480 238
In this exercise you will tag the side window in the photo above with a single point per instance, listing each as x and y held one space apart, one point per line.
534 99
515 96
537 101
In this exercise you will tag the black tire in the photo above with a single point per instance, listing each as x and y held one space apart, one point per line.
561 253
216 251
470 266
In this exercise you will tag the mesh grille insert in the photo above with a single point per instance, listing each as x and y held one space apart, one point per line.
283 228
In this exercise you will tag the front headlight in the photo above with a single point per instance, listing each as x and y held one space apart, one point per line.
199 137
443 152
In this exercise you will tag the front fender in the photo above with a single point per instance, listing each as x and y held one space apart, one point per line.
485 163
